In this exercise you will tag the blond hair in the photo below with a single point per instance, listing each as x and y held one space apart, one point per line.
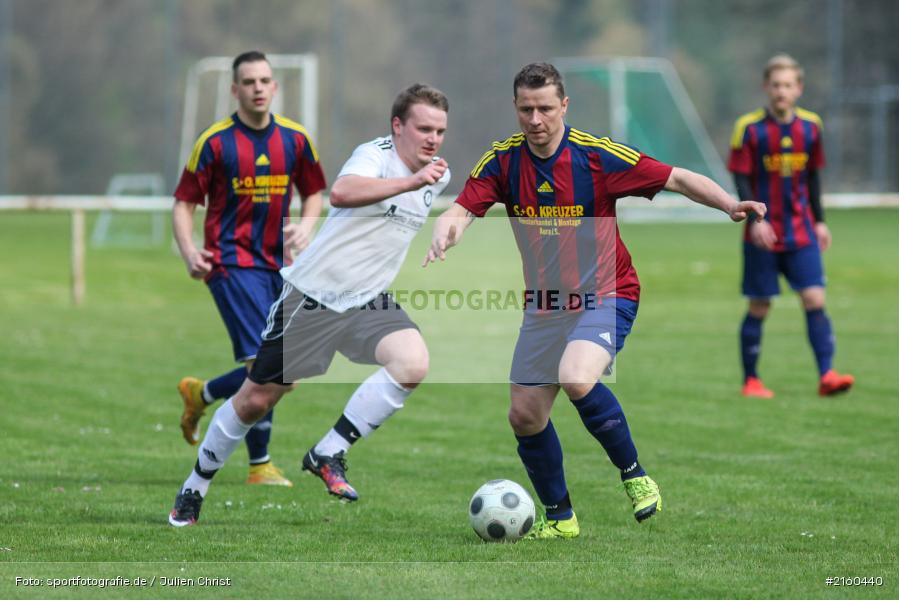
783 61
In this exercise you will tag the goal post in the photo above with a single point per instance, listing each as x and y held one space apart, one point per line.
130 184
207 99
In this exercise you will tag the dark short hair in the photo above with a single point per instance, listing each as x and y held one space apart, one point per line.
538 75
417 93
246 57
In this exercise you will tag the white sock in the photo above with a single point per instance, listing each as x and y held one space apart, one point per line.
196 483
224 433
207 397
332 443
371 404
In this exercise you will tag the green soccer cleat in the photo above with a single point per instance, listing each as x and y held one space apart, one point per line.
644 495
546 528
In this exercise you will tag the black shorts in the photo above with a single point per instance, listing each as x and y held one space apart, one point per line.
302 335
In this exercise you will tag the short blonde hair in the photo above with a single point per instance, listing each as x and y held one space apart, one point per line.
783 61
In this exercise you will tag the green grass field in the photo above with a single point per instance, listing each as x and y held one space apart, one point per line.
762 498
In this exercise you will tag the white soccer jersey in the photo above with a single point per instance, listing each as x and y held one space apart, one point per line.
358 252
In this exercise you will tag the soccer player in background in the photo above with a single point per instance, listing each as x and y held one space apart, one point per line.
247 166
776 158
551 169
335 300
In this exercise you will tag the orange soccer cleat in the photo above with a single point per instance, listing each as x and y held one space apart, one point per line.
834 383
754 388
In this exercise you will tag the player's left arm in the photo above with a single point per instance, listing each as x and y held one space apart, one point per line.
702 190
814 165
822 231
309 179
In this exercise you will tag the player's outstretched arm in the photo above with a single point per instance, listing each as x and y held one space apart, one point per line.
448 230
702 190
351 191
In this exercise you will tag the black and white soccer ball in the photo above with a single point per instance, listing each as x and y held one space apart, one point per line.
501 511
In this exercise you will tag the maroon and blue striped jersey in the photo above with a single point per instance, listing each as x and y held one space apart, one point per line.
248 177
562 209
778 157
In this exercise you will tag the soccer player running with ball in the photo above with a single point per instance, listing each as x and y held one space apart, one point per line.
582 290
246 165
335 300
776 157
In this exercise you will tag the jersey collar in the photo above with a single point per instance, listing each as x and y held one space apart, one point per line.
770 115
255 134
562 145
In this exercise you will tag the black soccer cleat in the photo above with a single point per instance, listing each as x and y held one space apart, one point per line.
331 470
187 509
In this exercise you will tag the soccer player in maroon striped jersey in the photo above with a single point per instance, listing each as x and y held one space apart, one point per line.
582 291
776 157
247 166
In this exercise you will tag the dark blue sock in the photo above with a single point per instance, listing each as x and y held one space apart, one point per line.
750 345
542 457
603 417
820 336
225 386
258 438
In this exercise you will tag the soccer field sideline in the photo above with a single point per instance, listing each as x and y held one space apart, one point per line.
762 499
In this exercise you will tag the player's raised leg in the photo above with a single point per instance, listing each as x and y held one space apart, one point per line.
821 339
751 347
197 394
581 366
404 359
228 428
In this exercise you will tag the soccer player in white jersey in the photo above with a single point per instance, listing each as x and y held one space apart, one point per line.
335 300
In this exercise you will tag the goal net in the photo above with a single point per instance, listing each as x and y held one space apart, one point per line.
642 102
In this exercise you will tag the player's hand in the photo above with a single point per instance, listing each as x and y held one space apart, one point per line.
748 209
198 263
430 173
822 232
439 245
761 234
296 236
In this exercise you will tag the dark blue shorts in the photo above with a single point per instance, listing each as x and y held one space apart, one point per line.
243 297
542 338
761 268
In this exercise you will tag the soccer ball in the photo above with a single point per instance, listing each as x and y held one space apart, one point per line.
501 511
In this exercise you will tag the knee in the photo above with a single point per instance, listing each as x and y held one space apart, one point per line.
812 299
809 306
526 421
255 402
759 308
411 370
577 389
417 370
576 380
